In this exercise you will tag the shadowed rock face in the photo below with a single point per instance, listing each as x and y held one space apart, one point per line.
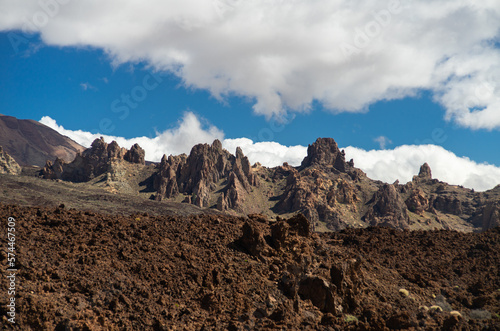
32 143
388 209
93 162
7 164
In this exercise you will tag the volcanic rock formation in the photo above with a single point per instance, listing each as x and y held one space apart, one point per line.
7 164
205 169
94 161
326 189
388 209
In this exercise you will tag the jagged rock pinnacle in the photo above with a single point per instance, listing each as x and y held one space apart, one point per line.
425 172
324 151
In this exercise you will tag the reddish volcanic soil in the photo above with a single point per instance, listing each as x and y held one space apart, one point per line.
87 271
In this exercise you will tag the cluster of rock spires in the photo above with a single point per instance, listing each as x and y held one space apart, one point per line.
94 161
329 191
200 173
7 164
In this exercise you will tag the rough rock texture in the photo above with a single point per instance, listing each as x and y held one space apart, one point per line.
325 187
491 216
7 164
135 155
92 162
388 209
330 192
202 172
425 172
323 152
417 202
90 271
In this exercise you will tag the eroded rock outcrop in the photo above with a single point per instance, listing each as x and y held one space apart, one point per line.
7 164
325 152
491 216
92 162
135 155
417 202
324 188
425 172
205 169
388 209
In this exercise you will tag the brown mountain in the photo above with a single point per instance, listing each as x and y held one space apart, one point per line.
332 193
32 143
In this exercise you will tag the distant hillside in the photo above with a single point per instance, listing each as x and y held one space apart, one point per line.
32 143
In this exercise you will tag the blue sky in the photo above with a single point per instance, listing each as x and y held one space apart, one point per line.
372 99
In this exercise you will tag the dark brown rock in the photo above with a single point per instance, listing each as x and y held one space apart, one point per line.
425 172
388 209
325 151
202 171
253 240
417 202
491 216
319 291
135 155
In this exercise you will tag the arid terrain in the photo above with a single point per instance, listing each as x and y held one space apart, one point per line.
207 241
89 271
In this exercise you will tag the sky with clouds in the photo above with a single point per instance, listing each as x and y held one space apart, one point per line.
406 81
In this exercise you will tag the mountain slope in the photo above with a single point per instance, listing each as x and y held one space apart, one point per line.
32 143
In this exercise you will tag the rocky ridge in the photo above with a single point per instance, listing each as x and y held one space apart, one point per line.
100 158
329 191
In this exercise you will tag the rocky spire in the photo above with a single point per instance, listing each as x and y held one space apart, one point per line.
325 151
425 172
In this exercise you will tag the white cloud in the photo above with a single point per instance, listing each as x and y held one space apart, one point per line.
284 54
382 141
188 132
404 162
387 165
267 153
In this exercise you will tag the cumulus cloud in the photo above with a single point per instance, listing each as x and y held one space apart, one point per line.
401 163
267 153
188 132
284 55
